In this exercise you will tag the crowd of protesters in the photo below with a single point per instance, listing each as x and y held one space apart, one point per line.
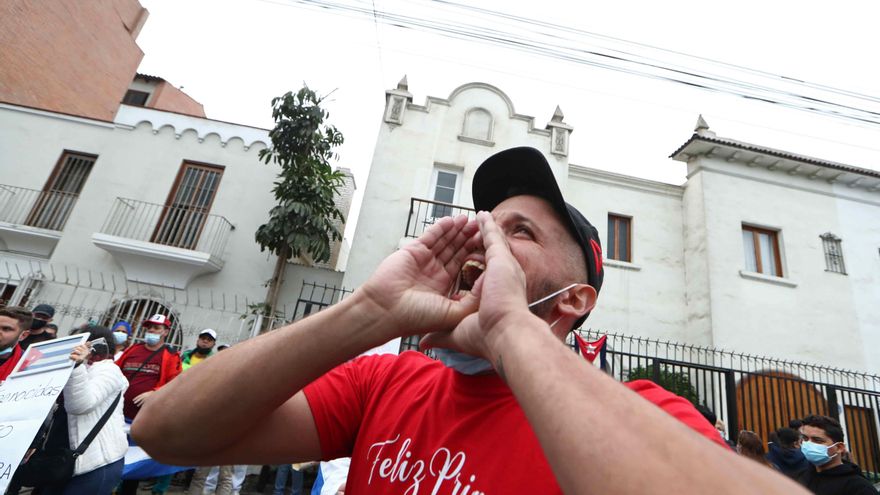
113 370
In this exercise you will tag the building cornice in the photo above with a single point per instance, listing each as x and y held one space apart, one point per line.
626 181
129 117
56 115
776 160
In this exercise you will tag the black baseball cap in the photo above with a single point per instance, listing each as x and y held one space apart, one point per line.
44 309
525 170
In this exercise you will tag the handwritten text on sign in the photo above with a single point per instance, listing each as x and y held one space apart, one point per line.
27 395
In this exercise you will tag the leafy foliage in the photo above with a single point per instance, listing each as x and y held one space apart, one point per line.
303 221
679 383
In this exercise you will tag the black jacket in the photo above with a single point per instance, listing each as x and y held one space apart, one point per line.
789 461
845 479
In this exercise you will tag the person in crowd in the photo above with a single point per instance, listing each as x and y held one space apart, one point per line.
284 472
204 348
784 452
52 330
508 408
822 445
122 338
721 426
94 386
749 444
222 347
43 314
147 367
14 321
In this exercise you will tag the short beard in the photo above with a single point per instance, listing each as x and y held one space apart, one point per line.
543 289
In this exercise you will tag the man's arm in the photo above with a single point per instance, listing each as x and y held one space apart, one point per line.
598 436
243 405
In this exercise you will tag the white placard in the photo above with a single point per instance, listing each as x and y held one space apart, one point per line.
27 395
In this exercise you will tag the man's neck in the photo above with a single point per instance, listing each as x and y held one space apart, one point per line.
833 464
154 347
37 332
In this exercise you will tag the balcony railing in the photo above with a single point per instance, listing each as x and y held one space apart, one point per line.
42 209
423 213
185 227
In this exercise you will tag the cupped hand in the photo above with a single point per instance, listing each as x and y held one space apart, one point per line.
412 285
500 293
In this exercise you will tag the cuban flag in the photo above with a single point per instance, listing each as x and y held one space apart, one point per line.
591 350
139 465
49 355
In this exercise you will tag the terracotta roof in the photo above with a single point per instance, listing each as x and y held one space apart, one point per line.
777 153
148 78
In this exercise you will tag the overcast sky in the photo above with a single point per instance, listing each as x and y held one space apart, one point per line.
235 55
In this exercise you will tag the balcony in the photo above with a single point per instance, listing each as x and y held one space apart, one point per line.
423 213
164 245
31 221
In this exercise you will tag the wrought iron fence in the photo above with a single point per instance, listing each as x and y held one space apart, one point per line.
183 227
756 393
423 213
34 208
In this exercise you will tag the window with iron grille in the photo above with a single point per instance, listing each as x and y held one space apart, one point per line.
58 197
761 249
833 253
619 238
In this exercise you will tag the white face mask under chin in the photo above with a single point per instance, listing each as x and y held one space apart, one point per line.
471 365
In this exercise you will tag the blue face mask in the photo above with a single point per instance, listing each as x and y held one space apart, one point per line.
470 365
817 453
7 350
120 337
152 339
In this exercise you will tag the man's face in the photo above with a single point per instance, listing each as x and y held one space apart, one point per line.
9 332
538 240
818 435
205 342
162 330
40 326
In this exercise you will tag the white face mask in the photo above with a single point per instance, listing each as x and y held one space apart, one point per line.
471 365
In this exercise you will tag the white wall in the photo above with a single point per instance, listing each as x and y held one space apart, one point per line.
139 158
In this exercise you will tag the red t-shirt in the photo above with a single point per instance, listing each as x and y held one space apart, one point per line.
411 425
145 379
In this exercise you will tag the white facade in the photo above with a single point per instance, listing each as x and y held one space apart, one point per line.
139 157
687 279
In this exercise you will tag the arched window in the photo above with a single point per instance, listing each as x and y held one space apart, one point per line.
136 310
478 124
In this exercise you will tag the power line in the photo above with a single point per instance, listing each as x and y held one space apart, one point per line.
612 59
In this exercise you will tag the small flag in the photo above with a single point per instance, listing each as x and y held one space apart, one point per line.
591 350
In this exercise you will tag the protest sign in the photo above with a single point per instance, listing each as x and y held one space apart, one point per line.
27 396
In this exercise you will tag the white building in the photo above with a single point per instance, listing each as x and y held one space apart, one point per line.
119 198
761 250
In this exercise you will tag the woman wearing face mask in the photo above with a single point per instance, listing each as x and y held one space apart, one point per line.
94 386
122 334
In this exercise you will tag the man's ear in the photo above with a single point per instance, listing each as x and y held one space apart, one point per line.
23 335
577 302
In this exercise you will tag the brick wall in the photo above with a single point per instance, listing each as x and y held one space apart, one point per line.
69 56
167 97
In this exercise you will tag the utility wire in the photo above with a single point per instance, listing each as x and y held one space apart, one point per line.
621 61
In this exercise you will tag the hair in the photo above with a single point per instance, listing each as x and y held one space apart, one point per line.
787 437
22 315
829 425
96 332
708 414
795 424
751 446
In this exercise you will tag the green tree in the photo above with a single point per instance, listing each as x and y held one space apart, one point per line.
303 223
679 383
